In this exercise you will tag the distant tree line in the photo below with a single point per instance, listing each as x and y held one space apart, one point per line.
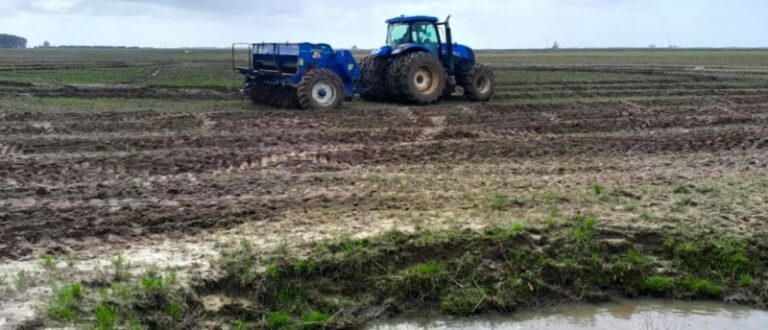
11 41
89 47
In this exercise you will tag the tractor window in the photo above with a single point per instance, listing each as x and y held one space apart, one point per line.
424 33
441 32
398 34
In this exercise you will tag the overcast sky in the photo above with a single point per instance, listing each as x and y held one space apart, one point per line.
343 23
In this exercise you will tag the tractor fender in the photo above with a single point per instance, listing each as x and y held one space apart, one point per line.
382 52
407 48
399 50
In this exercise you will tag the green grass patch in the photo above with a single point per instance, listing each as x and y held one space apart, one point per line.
498 202
702 288
658 285
746 280
509 232
66 302
584 229
106 318
598 189
461 271
315 318
430 268
464 301
278 320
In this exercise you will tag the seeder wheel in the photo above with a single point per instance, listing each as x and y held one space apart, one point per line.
320 89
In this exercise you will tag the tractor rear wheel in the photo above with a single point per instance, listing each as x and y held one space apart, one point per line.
417 78
372 79
320 89
479 83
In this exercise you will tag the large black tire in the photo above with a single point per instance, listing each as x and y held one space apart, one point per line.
373 78
479 83
259 93
320 89
417 78
284 97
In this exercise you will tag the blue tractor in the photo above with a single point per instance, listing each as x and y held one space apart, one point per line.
419 65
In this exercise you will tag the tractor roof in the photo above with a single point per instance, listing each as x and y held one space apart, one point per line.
412 19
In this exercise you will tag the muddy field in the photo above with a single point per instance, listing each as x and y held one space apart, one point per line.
96 170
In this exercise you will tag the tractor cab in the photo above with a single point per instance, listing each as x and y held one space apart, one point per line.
406 34
413 31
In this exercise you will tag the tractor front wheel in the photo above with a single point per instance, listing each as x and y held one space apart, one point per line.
479 83
320 89
417 78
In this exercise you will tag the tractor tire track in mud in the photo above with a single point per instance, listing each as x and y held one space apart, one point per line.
119 92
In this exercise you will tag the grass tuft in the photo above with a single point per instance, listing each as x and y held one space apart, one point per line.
499 202
684 188
464 301
106 318
65 305
48 262
584 229
504 234
374 179
598 189
315 318
658 285
120 268
22 280
702 287
278 320
430 268
238 263
746 280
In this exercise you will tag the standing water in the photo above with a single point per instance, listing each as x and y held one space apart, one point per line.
625 314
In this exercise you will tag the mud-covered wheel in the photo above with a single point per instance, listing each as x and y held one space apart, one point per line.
373 72
417 78
320 89
274 95
259 94
479 83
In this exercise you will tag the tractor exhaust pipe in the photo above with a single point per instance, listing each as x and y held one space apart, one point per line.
449 45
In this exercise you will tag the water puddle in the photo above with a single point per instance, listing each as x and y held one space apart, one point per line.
625 314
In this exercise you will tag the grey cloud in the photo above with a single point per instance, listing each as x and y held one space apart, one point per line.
211 7
482 23
220 7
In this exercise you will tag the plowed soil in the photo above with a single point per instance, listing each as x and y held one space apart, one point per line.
122 175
